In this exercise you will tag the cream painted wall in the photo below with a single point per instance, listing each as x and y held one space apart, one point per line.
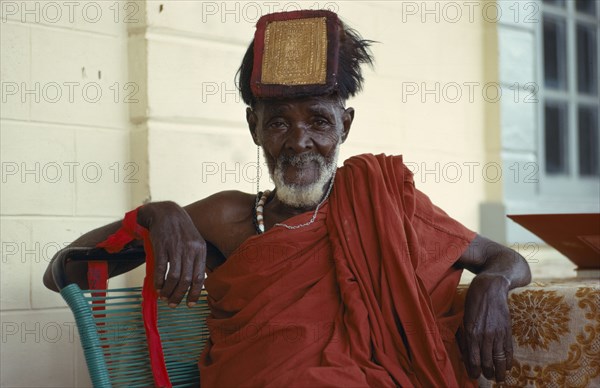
185 137
65 158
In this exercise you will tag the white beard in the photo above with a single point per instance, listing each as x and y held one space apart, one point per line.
308 195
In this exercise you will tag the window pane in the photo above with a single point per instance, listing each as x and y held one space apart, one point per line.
556 138
555 69
588 140
586 6
559 3
587 64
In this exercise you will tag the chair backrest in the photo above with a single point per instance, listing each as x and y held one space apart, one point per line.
114 341
113 336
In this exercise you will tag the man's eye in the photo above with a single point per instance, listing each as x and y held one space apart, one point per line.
320 123
277 125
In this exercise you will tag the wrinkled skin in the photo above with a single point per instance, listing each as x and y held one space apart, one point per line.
487 346
488 328
185 255
202 235
293 127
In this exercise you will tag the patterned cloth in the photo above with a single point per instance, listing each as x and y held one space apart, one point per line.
556 334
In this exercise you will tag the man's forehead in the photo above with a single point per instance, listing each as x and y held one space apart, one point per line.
314 103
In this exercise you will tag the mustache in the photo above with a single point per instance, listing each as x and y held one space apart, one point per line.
302 159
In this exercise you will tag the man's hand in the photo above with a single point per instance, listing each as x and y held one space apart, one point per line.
488 346
488 338
178 248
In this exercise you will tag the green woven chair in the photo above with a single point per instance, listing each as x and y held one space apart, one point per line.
112 330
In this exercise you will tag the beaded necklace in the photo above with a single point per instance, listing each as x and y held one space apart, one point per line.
261 199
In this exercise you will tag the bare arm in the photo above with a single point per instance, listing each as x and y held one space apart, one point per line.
176 242
488 347
484 256
77 271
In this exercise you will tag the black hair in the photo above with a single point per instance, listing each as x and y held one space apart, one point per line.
354 51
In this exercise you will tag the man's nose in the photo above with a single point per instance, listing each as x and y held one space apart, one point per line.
299 139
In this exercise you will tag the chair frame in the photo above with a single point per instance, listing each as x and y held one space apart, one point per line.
183 330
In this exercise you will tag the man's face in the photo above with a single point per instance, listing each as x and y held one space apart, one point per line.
301 139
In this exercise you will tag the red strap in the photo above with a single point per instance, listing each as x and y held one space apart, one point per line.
97 275
130 231
97 280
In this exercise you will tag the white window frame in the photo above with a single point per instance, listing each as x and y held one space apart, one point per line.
582 192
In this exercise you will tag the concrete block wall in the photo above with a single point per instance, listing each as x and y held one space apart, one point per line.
65 161
170 126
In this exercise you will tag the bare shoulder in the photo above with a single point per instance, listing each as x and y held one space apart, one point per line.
223 207
224 215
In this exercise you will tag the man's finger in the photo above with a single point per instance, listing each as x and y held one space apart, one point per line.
172 278
487 363
179 292
197 280
160 267
499 358
474 359
508 348
184 283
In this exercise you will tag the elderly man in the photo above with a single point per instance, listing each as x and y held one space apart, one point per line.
339 276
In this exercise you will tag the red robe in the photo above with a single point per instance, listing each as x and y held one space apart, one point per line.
362 297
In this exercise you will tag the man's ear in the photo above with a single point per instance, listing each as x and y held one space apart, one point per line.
347 118
252 120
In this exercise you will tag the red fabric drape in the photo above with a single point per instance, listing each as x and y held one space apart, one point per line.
398 249
361 297
130 231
